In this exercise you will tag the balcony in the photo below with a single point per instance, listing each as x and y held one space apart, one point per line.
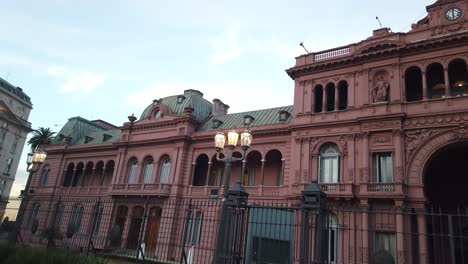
253 191
141 189
88 190
339 189
381 190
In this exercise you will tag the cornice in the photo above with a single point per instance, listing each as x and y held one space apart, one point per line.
412 48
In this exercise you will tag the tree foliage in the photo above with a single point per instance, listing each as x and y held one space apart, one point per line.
41 136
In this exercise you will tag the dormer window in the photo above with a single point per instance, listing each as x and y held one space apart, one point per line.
61 137
217 123
180 99
248 120
106 137
88 139
283 115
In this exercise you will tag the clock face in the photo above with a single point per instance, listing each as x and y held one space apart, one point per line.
453 13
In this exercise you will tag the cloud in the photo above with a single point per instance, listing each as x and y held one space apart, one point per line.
236 41
239 95
75 80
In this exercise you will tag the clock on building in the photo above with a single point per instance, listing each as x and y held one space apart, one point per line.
453 13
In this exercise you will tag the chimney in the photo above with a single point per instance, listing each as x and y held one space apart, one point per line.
219 108
381 31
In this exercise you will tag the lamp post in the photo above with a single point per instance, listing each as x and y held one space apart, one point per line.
226 251
35 159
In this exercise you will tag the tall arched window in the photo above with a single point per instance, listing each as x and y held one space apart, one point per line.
148 171
413 84
318 98
132 171
45 177
69 175
458 77
165 170
342 95
435 81
329 164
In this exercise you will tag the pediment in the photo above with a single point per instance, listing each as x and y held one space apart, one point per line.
378 46
6 113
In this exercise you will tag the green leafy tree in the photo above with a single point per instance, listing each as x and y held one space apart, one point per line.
41 136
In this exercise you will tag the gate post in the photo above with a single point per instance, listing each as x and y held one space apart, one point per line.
313 201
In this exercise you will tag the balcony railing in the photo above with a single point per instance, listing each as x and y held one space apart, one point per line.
140 188
381 189
84 190
253 191
337 189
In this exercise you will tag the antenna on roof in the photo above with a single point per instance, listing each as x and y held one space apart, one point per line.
302 45
379 21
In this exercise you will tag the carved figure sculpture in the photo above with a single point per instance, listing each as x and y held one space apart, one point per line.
380 90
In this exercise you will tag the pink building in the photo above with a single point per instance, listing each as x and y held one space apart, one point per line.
381 124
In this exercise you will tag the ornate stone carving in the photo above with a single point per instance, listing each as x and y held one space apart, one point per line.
313 143
460 132
414 138
382 124
380 88
382 140
439 119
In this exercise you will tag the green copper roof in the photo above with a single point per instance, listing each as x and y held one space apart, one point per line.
76 128
177 103
6 86
260 118
111 135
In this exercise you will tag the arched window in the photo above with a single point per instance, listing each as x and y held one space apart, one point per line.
413 84
435 81
132 171
342 95
68 175
75 220
165 170
458 77
148 171
330 97
329 164
200 170
318 98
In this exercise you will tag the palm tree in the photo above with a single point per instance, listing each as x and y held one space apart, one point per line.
41 136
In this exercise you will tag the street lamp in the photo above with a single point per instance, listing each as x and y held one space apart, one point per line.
35 159
232 138
225 249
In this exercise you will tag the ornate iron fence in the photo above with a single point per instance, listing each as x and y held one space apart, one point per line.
159 230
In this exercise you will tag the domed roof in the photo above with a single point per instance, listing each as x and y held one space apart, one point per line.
177 103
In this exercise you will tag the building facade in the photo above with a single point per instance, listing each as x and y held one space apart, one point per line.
15 107
380 124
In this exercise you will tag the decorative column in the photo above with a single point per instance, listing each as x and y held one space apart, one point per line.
305 160
75 171
283 161
336 98
208 173
192 172
422 238
365 157
351 159
324 99
262 171
398 156
312 98
447 83
424 86
92 176
314 166
307 98
399 235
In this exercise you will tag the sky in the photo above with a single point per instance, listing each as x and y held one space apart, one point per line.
109 59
